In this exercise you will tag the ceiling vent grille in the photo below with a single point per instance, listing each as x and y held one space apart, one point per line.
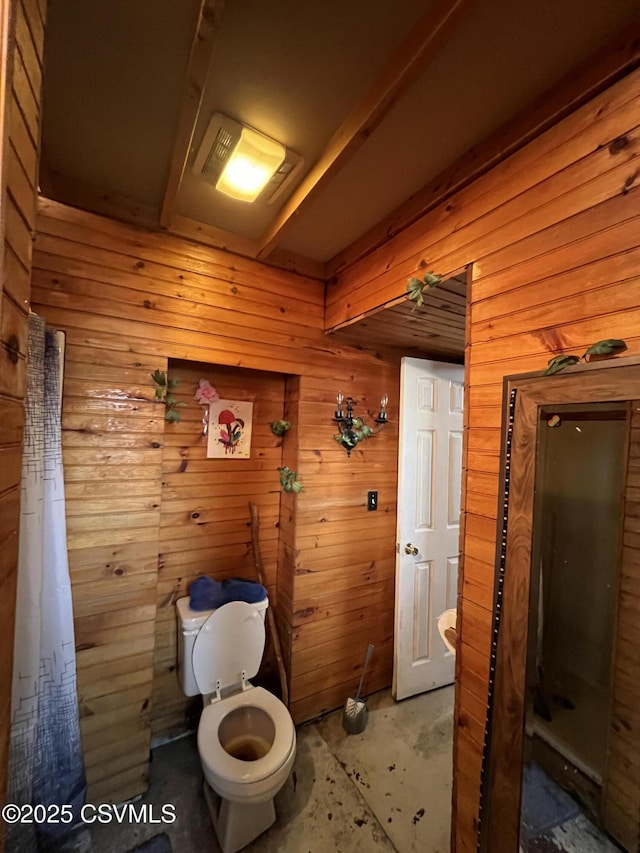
220 139
218 155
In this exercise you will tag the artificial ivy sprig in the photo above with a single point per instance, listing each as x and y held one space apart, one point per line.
608 347
359 430
416 287
279 428
288 480
559 363
164 392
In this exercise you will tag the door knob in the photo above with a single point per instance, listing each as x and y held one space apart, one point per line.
410 549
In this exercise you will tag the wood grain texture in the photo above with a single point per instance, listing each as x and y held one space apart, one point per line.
112 540
505 768
131 301
586 160
435 330
21 49
119 291
552 237
621 791
596 382
79 194
597 73
205 519
193 90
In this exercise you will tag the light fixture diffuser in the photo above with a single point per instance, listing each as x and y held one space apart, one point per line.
251 165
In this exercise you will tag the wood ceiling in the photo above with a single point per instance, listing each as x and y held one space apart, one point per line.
433 330
394 107
378 98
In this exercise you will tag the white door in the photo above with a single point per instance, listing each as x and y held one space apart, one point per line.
429 483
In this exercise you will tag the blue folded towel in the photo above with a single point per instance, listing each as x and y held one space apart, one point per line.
205 593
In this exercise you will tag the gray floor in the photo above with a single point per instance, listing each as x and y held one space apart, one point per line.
578 835
387 789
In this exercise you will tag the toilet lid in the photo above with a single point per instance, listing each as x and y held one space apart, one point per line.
229 643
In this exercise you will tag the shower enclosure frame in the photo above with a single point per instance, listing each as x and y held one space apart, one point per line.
501 781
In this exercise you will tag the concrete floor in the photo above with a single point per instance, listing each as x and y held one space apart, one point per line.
387 789
578 835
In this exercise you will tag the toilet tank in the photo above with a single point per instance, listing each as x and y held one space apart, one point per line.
189 624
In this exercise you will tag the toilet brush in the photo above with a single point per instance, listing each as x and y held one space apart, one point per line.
354 716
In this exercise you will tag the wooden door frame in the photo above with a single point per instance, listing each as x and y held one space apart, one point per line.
612 380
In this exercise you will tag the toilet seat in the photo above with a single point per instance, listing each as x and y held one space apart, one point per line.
234 770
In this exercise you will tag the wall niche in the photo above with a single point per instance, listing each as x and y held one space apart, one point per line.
205 524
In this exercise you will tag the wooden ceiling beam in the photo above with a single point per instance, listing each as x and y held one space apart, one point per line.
610 63
423 43
195 80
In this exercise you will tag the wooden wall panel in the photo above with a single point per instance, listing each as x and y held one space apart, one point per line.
112 436
205 520
552 234
621 793
344 565
566 171
131 301
287 533
21 48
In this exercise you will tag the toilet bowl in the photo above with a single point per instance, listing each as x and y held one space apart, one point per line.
447 628
247 745
246 737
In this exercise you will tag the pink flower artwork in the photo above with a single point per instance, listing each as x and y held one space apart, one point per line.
206 393
231 428
230 424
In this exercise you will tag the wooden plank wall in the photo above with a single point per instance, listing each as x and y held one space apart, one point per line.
205 521
287 537
112 439
130 301
345 569
19 144
621 796
553 236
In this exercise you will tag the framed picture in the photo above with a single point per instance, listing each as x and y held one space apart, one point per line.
229 432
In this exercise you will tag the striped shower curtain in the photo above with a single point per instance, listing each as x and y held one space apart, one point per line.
45 763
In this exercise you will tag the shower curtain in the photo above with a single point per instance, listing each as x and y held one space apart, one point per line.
45 762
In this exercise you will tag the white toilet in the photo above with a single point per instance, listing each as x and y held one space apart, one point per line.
447 622
246 737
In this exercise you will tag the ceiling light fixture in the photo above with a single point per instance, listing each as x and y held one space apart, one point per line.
243 163
251 165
